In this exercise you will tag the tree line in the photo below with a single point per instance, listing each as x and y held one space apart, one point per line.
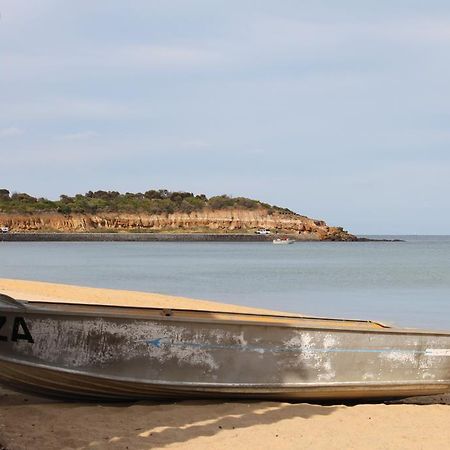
159 201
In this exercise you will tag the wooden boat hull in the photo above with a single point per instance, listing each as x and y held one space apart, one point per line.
132 353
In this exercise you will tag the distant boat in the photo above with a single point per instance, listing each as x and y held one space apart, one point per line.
283 241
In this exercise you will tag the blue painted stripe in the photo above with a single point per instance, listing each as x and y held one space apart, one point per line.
159 342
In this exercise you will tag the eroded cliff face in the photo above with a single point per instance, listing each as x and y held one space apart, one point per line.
218 221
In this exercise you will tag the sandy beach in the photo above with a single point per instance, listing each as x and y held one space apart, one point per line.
55 292
28 422
31 422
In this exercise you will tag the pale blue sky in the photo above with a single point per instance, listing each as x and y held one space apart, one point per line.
338 110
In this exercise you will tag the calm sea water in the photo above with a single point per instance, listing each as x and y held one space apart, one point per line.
405 283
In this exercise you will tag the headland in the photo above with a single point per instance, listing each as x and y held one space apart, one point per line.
155 216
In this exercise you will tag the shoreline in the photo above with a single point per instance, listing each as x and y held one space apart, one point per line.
160 237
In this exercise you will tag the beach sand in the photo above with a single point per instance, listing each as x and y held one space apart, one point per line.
31 422
55 292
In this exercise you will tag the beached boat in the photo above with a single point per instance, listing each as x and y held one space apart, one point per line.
73 349
283 241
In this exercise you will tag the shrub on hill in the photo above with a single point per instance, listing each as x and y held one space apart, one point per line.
153 201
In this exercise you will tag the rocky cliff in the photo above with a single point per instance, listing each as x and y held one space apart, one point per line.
214 221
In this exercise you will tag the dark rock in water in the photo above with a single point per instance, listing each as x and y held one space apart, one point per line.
362 239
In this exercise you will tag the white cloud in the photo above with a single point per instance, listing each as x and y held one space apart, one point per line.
319 33
194 144
19 13
10 132
159 56
79 136
265 40
71 108
102 59
431 30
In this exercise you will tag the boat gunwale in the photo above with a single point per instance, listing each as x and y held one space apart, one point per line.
276 315
127 312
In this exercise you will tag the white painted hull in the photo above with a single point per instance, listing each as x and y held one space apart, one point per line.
283 241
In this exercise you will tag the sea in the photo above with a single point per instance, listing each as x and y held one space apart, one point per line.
400 283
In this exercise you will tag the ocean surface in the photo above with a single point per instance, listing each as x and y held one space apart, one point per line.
402 283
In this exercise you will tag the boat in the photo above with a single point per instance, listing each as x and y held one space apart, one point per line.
104 350
283 241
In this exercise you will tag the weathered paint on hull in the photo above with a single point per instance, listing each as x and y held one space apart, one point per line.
99 352
58 383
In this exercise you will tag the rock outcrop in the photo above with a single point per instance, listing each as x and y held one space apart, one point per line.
213 221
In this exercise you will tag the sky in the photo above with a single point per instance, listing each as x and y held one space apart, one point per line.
337 110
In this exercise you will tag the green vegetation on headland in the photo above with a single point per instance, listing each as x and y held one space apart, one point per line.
153 202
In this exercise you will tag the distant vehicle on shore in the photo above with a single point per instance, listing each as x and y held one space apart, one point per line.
263 231
4 229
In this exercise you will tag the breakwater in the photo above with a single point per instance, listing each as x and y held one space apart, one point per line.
165 237
132 237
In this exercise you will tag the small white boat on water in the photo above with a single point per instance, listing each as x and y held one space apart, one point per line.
283 241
